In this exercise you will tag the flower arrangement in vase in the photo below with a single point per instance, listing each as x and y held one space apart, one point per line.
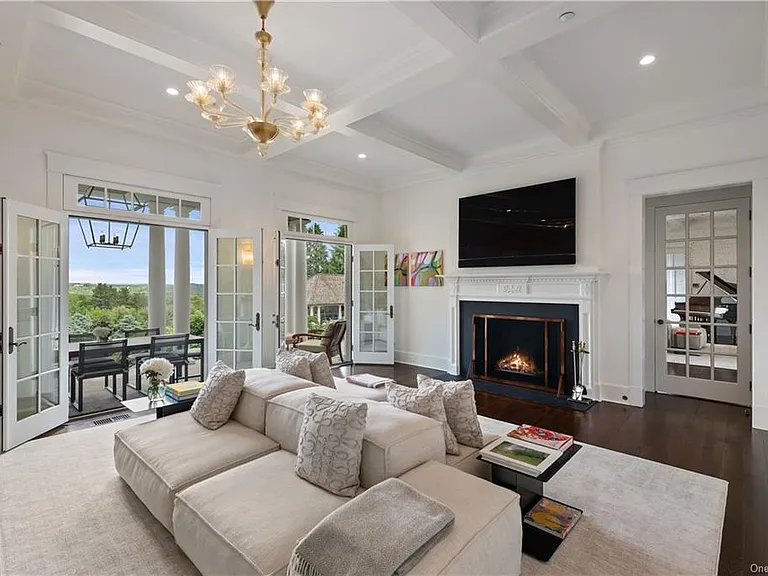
157 372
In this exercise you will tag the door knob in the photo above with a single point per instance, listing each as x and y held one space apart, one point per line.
660 322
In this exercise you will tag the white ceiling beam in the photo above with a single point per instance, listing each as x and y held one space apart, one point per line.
14 34
387 133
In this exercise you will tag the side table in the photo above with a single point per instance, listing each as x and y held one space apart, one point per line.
164 407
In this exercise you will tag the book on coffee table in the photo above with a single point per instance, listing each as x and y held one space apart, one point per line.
553 517
542 437
521 456
368 380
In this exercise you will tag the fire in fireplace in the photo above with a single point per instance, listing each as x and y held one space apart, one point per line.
519 362
520 351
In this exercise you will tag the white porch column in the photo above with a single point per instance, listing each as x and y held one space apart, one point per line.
156 296
181 287
295 287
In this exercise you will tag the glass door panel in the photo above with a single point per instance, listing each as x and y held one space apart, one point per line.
34 369
374 305
235 299
702 270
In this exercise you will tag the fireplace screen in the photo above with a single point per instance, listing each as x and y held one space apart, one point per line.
520 351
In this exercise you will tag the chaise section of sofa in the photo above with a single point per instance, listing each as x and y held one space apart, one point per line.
159 458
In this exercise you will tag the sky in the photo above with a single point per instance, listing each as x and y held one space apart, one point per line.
129 266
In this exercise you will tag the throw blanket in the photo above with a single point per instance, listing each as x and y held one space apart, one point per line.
384 531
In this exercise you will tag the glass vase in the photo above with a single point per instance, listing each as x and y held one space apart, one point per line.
155 391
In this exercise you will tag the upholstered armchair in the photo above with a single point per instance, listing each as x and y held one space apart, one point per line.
329 341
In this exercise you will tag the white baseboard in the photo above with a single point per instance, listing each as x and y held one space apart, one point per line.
622 394
423 360
760 417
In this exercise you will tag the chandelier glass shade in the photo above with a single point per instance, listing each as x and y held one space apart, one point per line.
214 98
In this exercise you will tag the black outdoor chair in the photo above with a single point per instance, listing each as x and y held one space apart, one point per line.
172 347
96 360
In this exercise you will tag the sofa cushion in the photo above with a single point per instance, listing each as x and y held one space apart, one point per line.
218 396
331 443
247 520
261 384
466 460
486 537
460 408
294 364
159 458
394 440
427 402
319 367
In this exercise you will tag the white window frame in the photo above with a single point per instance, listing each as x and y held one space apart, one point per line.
71 206
323 239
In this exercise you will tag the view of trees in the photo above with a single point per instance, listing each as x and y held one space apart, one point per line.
124 307
325 258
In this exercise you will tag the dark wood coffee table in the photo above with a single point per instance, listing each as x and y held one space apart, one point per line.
536 543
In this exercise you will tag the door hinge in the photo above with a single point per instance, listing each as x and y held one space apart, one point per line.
351 346
277 263
750 215
750 385
750 329
750 271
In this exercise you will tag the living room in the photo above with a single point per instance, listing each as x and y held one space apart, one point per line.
438 102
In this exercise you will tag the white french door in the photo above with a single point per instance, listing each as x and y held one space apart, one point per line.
235 298
703 300
35 288
373 340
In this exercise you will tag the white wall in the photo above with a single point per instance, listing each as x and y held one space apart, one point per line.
613 180
247 194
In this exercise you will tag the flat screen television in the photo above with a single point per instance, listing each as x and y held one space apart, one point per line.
530 226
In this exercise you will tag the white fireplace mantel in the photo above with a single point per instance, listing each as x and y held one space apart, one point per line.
579 287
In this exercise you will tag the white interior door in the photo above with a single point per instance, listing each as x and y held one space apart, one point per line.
703 300
234 299
373 303
35 288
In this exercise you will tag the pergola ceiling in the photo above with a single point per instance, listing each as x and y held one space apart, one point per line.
422 88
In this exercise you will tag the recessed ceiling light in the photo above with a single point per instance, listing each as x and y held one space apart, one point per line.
565 16
362 156
172 91
647 60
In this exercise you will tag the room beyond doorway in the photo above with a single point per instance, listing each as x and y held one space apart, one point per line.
129 280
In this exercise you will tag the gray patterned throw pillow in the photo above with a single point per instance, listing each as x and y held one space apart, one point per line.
427 402
460 408
331 444
294 364
218 396
319 366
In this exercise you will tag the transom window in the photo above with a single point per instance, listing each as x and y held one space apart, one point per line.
316 227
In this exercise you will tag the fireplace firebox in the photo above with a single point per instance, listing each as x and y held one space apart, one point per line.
524 351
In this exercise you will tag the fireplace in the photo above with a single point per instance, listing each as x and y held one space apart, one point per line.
519 350
518 344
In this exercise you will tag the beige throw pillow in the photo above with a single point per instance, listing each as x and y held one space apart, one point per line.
294 364
331 444
460 408
319 366
218 396
427 402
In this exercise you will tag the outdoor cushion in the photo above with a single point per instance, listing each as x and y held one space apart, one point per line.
311 346
247 520
394 440
486 537
159 458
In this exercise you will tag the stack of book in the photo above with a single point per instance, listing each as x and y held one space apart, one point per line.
553 517
368 380
183 390
527 449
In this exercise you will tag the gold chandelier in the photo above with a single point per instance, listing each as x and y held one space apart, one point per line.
224 113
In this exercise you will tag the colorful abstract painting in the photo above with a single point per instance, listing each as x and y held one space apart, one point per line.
401 269
426 268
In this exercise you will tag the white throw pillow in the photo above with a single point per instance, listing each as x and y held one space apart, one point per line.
218 396
294 364
460 409
331 444
427 402
319 366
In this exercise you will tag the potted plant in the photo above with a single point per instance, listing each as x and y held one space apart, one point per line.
157 372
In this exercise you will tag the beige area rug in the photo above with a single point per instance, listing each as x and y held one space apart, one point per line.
64 511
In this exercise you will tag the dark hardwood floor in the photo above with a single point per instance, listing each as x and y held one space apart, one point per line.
706 437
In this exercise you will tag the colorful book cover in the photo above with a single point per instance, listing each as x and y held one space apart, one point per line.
541 436
553 517
184 388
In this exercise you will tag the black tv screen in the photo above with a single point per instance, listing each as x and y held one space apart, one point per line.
531 226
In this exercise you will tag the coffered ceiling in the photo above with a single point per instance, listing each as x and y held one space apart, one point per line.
421 88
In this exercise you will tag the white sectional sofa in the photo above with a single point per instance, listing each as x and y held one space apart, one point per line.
235 506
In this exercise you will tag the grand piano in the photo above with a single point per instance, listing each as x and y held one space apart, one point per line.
721 310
